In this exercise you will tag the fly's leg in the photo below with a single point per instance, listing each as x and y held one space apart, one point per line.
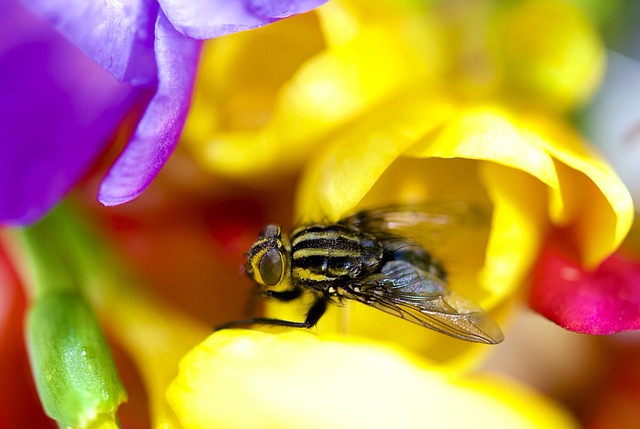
284 296
314 314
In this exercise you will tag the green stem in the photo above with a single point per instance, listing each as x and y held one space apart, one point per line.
71 362
46 261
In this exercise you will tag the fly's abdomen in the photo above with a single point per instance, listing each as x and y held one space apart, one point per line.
326 254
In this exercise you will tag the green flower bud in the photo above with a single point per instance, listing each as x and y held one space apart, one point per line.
71 362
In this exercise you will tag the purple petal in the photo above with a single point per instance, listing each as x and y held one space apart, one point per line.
206 19
599 302
281 8
159 129
58 110
118 35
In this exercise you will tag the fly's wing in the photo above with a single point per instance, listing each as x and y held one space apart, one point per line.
405 291
431 221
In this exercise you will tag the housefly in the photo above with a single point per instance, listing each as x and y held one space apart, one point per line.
367 257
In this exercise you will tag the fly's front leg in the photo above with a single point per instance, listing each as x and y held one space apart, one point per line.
316 311
258 292
283 295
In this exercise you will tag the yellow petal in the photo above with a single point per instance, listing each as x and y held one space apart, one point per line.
552 54
238 83
519 226
348 166
271 126
591 199
533 170
585 194
340 21
251 379
519 222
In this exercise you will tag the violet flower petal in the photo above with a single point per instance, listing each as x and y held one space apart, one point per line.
205 19
117 34
281 8
58 110
599 302
159 129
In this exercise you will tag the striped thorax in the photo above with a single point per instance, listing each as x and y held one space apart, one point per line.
325 254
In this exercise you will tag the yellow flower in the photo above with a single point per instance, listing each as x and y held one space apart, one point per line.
389 102
395 101
266 99
252 379
533 170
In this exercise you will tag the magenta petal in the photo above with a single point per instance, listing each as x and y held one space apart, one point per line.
58 111
599 302
117 34
206 19
159 129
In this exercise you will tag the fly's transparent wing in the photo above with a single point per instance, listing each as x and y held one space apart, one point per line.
406 291
431 221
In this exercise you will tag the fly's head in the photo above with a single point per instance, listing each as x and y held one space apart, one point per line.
269 261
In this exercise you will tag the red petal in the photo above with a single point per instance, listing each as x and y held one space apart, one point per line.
599 302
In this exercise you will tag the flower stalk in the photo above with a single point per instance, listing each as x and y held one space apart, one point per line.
75 375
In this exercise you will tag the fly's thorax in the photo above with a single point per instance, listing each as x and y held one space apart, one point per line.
269 260
330 253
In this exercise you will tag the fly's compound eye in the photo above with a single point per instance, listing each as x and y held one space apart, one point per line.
271 267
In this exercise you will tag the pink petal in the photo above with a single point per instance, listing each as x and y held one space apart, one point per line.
599 302
159 129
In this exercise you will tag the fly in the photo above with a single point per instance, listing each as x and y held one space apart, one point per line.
368 258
